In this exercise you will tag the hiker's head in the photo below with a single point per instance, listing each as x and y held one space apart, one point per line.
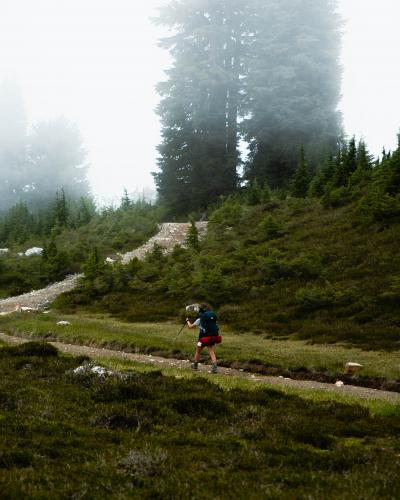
197 308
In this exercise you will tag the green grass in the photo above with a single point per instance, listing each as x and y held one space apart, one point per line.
102 330
155 436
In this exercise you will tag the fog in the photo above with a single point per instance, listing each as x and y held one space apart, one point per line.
97 62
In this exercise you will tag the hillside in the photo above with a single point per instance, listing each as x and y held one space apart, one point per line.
282 269
66 244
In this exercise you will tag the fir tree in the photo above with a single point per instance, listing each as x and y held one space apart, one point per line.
250 60
301 179
363 172
200 103
86 211
126 202
292 86
61 209
192 237
254 193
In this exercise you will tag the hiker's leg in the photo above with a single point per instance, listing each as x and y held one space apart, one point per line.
197 354
212 354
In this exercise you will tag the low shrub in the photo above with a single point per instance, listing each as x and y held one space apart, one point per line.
41 349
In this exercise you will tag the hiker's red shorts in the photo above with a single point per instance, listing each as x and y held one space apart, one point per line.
211 340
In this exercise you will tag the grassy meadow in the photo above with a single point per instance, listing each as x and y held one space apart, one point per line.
237 350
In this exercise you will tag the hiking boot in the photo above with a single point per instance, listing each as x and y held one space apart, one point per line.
195 366
214 368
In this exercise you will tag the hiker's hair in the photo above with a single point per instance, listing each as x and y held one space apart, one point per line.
204 307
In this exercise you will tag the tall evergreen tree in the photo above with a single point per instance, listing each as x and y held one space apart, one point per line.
271 65
301 179
364 161
200 102
61 209
292 86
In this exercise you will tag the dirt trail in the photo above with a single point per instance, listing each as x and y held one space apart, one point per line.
38 299
169 235
98 353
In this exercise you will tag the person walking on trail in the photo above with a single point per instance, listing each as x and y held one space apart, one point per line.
208 335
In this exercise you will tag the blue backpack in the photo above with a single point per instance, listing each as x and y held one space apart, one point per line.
208 323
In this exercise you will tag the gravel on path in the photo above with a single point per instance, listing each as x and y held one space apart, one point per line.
96 352
169 235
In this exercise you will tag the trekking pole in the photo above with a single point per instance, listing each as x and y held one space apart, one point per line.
180 331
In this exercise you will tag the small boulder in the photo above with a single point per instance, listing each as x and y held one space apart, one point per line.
63 323
26 309
351 368
33 251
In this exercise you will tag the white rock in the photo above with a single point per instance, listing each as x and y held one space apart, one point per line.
96 370
63 323
33 251
339 383
3 250
80 369
99 370
109 260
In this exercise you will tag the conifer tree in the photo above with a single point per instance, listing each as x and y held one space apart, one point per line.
363 172
350 160
292 86
126 202
86 211
301 179
254 193
271 64
61 209
192 237
200 103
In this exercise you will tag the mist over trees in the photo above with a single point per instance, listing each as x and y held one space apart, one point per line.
35 165
56 161
265 71
292 87
13 143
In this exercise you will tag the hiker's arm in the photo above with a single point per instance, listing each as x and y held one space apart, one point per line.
189 324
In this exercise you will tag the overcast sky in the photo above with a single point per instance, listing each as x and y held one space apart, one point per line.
96 62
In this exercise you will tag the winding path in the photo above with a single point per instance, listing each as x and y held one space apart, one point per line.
99 353
169 235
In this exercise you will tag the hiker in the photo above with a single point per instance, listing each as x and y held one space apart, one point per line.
208 335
